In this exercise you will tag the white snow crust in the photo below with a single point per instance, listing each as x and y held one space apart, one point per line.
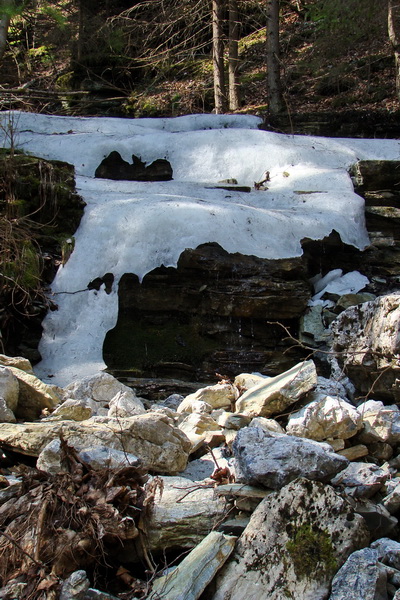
134 227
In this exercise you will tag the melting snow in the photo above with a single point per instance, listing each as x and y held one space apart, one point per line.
134 227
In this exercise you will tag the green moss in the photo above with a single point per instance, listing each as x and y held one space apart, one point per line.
311 551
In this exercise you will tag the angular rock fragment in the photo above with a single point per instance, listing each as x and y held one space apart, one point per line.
360 480
197 569
183 515
369 334
273 459
381 423
221 395
9 388
388 551
328 418
34 395
360 578
274 395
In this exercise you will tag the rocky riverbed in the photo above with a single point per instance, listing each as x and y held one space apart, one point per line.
270 487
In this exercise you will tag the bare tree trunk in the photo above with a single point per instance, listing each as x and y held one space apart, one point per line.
394 36
273 60
233 64
218 57
6 7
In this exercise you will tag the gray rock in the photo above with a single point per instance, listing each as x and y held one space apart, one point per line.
152 437
360 578
378 520
75 586
6 414
204 466
101 387
221 395
392 501
99 457
183 515
9 388
360 480
370 334
295 541
273 459
388 552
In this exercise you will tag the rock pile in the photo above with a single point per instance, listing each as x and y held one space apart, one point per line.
271 487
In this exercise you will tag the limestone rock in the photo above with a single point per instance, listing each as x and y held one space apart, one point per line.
197 569
277 393
245 381
76 410
151 437
197 426
221 395
388 551
183 515
392 501
125 404
101 387
381 423
267 424
6 414
327 418
9 388
360 578
369 334
100 457
16 361
295 541
273 459
230 420
360 480
34 395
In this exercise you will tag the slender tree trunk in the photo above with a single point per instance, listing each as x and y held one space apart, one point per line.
6 7
233 65
394 36
273 60
218 57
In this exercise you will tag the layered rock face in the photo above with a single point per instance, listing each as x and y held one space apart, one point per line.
210 314
218 312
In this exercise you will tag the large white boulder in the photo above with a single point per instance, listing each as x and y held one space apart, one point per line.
295 541
152 437
327 418
366 339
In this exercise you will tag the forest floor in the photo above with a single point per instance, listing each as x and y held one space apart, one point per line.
320 73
